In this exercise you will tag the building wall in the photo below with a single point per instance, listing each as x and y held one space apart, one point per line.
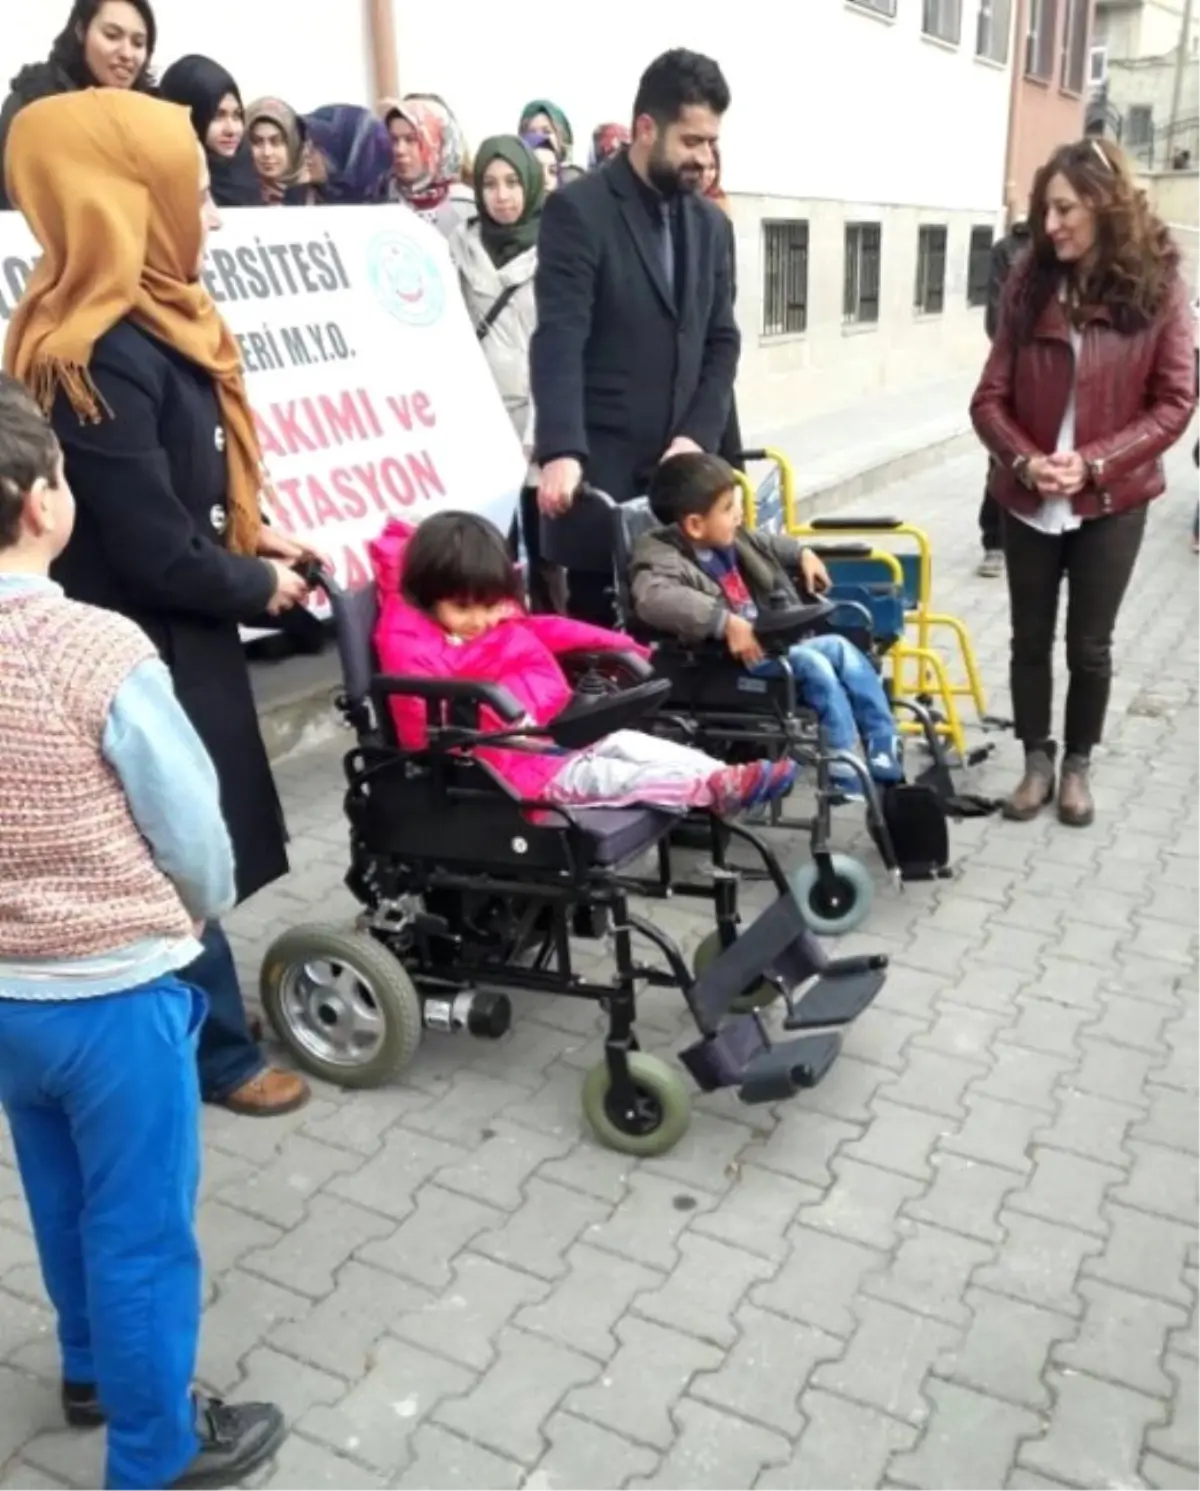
1140 28
1044 116
838 115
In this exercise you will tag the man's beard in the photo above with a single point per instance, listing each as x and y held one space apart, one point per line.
669 180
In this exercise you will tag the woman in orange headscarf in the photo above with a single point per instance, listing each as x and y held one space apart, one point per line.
122 346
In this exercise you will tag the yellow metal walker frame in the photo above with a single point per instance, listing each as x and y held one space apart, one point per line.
918 670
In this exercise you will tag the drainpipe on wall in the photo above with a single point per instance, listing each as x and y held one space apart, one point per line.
1020 31
381 40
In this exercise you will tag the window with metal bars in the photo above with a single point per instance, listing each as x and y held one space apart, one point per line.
979 265
992 29
785 277
860 298
943 19
1039 39
1073 74
929 295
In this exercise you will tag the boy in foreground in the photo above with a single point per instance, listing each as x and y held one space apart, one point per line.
701 577
113 851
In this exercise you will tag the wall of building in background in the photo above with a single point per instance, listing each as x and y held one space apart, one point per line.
1050 87
845 113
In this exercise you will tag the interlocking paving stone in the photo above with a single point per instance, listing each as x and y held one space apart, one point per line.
969 1257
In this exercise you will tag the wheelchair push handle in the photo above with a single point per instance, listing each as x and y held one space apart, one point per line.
316 576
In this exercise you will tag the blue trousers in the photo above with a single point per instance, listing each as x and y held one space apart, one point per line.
228 1056
102 1099
838 682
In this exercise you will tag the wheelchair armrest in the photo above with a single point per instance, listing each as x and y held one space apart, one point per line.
778 622
386 686
588 719
628 667
754 454
854 524
846 549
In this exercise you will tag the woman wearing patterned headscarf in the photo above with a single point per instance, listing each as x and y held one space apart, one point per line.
350 154
607 140
496 257
428 152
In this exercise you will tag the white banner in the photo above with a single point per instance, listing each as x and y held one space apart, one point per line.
370 392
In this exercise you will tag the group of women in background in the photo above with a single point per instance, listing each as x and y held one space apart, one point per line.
152 371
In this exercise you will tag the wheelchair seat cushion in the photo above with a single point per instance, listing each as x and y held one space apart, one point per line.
618 835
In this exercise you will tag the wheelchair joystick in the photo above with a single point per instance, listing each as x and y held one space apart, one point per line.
484 1015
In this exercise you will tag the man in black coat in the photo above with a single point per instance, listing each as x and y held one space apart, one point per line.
636 347
1005 253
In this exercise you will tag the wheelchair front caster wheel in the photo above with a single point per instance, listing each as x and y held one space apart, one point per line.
657 1118
757 998
342 1005
837 906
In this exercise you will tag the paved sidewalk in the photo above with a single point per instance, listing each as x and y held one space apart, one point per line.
968 1259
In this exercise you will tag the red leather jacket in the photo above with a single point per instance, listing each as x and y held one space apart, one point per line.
1135 395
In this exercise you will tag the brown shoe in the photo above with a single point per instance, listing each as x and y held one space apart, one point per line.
1075 806
269 1095
1034 790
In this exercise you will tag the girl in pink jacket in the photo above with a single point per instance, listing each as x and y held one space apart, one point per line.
451 607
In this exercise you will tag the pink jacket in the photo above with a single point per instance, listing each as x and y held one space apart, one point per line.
520 654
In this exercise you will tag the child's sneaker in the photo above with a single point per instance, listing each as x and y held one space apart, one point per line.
736 788
846 784
883 758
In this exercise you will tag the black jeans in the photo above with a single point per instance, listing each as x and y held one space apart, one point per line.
1097 560
989 517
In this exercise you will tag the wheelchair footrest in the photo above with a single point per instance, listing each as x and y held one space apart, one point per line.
740 1055
778 944
785 1068
835 999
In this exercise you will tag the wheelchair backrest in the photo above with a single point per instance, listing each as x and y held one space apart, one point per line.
355 614
630 521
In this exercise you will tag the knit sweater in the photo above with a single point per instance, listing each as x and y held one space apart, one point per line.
77 878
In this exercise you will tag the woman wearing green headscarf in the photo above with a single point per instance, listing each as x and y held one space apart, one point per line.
496 256
541 117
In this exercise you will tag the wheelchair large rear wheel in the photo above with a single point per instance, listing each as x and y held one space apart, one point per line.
659 1117
342 1005
756 998
832 909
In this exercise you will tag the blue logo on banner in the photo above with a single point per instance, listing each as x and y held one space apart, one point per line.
406 280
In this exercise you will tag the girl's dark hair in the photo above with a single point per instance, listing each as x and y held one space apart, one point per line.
1136 261
459 557
67 51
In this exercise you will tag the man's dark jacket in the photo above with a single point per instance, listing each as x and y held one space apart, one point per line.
1005 253
619 365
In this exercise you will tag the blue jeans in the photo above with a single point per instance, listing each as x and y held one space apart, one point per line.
102 1099
838 682
228 1057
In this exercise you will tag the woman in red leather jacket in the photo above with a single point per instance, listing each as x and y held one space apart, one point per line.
1088 382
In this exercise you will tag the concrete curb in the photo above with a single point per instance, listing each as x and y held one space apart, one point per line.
299 712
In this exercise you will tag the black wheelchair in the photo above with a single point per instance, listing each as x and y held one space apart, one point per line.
470 894
716 705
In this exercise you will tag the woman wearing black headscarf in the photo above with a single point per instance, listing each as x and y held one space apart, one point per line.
105 44
218 117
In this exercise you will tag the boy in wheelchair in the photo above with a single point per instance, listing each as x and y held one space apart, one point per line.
451 607
702 578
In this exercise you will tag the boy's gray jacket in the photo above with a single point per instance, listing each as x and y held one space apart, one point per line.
672 594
